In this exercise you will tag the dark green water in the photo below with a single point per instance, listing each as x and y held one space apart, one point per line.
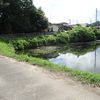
84 57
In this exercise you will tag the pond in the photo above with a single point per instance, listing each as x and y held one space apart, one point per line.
85 57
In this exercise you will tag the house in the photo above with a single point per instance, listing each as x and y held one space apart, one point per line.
53 28
59 27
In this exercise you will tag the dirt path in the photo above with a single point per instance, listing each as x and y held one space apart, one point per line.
21 81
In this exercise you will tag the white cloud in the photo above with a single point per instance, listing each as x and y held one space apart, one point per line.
62 10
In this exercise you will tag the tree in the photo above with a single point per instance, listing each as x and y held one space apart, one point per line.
39 20
21 16
4 15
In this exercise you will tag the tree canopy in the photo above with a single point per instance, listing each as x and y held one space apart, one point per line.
21 16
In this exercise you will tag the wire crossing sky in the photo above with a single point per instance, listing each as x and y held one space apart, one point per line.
78 11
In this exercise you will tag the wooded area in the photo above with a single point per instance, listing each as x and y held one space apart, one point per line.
18 16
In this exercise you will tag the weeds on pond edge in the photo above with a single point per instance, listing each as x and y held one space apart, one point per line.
84 77
77 34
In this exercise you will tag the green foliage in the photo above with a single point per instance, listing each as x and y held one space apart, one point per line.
20 44
97 33
77 34
40 21
23 43
17 16
6 49
51 39
62 37
81 34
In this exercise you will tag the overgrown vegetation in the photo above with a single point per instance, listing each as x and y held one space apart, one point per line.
77 34
85 77
97 33
81 34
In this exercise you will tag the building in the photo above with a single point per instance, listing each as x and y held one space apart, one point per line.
53 28
59 27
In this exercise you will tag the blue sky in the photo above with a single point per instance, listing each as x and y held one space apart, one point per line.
79 11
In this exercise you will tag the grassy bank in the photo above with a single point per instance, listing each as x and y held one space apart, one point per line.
6 49
89 78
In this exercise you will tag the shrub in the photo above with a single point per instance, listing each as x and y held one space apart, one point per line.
97 33
62 37
50 39
20 44
81 34
77 34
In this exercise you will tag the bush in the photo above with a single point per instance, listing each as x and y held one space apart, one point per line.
62 37
77 34
50 39
81 34
23 43
20 44
97 33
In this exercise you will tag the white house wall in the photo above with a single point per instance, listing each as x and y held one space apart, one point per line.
54 27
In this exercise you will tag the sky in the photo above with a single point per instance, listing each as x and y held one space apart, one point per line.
74 11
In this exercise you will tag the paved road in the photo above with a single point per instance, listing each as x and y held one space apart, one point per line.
21 81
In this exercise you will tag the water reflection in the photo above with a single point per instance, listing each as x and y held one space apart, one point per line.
78 56
86 62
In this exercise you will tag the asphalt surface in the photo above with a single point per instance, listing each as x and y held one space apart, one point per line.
22 81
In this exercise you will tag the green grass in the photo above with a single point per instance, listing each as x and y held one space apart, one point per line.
6 49
85 77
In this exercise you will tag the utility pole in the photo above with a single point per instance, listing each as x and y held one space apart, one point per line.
90 21
69 21
77 22
95 59
96 17
95 44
